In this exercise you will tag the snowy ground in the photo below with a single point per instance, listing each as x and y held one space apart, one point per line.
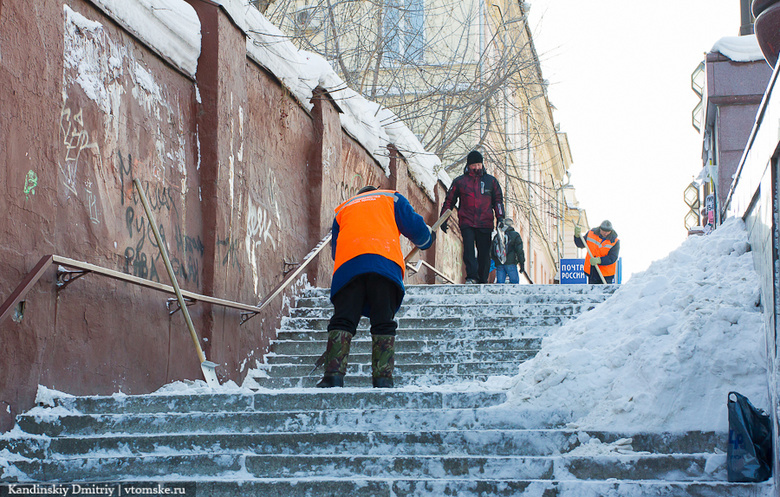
665 350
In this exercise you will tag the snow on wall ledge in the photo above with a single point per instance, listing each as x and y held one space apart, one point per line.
372 125
739 48
170 27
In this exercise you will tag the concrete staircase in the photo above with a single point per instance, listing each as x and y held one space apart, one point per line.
433 436
446 334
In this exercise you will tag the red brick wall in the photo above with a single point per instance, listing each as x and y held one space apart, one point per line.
241 179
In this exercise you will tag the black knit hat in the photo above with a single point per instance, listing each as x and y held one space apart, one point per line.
474 157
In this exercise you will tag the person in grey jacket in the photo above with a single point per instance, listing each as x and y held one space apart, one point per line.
514 255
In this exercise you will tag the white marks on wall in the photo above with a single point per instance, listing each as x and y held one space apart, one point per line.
327 159
77 145
259 226
91 203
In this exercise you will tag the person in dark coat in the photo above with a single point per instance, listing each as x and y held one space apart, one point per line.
478 196
368 278
604 246
515 255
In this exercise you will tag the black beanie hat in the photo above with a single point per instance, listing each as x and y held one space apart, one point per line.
473 158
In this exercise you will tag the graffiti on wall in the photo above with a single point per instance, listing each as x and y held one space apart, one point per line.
142 254
30 182
349 188
79 150
259 224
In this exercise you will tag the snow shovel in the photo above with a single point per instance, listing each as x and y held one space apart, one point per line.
598 269
207 367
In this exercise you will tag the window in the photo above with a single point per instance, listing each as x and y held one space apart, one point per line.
404 30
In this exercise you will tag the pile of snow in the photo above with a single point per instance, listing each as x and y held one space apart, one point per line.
664 351
739 48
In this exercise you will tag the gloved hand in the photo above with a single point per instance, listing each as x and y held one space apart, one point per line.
444 226
500 223
433 234
577 232
595 261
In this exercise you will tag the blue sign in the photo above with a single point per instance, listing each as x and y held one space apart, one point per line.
573 272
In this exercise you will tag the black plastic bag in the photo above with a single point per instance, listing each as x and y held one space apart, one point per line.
750 441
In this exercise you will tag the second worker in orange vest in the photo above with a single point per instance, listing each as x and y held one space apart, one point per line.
604 246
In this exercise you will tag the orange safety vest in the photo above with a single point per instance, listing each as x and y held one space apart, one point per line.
600 247
367 226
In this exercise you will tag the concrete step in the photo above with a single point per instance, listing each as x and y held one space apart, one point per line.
361 344
474 300
509 442
445 310
315 400
325 420
489 290
402 357
427 380
450 328
688 467
357 368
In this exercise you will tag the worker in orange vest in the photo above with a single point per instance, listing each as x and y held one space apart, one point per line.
604 248
368 278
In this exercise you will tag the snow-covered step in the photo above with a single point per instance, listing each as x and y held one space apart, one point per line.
505 442
211 464
463 322
361 344
444 310
450 333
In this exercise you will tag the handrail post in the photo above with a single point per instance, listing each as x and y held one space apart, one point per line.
21 290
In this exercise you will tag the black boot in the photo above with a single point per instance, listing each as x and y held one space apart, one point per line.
335 380
382 360
336 355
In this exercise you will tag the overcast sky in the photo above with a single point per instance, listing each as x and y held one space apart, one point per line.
619 76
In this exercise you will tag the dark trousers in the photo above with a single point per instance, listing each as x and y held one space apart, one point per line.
595 279
477 265
371 290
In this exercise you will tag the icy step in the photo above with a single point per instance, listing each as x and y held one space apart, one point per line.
443 311
455 324
210 463
489 290
279 401
453 334
361 344
523 299
364 381
402 357
358 368
505 442
327 420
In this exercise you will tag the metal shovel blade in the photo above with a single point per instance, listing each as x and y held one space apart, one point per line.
209 373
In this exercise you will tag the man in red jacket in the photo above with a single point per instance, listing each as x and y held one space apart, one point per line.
478 195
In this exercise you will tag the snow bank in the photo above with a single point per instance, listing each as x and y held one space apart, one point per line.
665 350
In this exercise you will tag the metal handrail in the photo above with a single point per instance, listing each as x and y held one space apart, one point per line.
65 277
415 268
